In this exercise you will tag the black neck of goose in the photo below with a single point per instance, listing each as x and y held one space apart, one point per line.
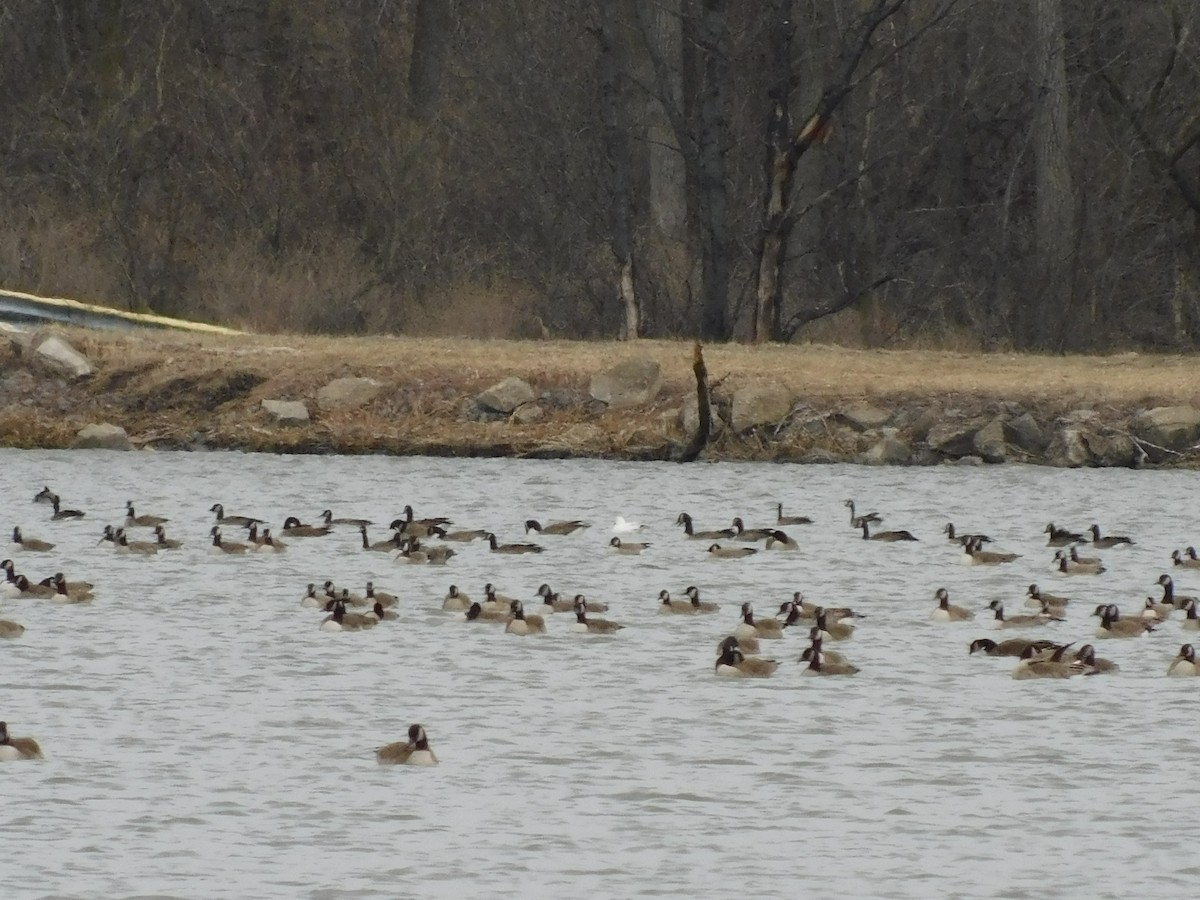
1168 592
581 616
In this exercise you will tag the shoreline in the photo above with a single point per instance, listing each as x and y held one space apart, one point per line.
636 401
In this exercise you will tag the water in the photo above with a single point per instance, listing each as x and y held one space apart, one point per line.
204 739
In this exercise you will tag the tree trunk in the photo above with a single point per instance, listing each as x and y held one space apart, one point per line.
713 200
668 180
431 37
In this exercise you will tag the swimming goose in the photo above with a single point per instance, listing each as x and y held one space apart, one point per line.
70 592
392 543
139 548
678 607
330 521
293 527
964 539
513 548
1157 612
381 597
761 628
719 534
411 551
60 513
1192 622
17 747
222 546
584 625
974 555
455 600
133 520
1067 567
268 543
340 620
698 605
820 663
438 556
476 613
733 663
815 647
1113 626
462 537
310 600
1041 618
1036 599
628 547
8 587
1169 595
27 590
44 495
348 599
1104 543
1190 561
413 752
558 603
10 629
780 541
240 521
742 533
20 542
948 612
833 631
520 624
438 521
781 519
164 542
1061 537
381 614
716 551
1076 559
499 601
1031 666
889 536
1010 647
798 608
856 521
555 527
1087 655
1183 664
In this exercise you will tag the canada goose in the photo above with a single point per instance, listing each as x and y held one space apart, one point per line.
17 747
558 603
1076 559
521 624
1061 537
733 663
974 555
476 613
1183 664
761 628
828 656
629 548
340 620
10 629
439 556
511 548
253 537
387 546
1188 562
1192 622
716 551
1087 655
719 534
139 548
411 552
269 544
820 664
1067 567
27 590
461 537
20 542
240 521
493 599
455 600
110 535
60 513
833 631
70 592
438 521
584 625
1104 543
381 597
44 495
223 546
856 521
780 541
164 542
678 607
380 613
1010 647
413 752
889 536
8 587
555 527
1157 612
964 539
1036 599
781 519
1113 626
620 526
742 533
293 527
798 608
698 605
330 521
1169 595
310 600
1031 666
133 520
348 599
948 612
999 621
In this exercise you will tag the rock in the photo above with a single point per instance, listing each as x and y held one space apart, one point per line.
348 393
964 461
1114 449
865 417
101 437
889 451
1172 427
819 456
925 422
56 354
473 412
286 412
1026 434
953 438
989 443
1068 449
561 399
528 413
505 396
765 404
631 382
689 416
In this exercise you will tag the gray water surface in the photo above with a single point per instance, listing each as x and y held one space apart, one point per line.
204 739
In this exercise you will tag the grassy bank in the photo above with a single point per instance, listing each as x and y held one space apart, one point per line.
177 390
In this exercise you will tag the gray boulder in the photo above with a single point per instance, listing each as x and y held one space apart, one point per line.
102 436
631 382
689 416
953 438
1114 449
1068 448
762 404
286 412
989 443
505 396
528 413
925 422
889 451
1026 434
1172 427
348 393
865 417
56 354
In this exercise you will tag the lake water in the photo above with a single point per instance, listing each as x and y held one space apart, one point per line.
204 739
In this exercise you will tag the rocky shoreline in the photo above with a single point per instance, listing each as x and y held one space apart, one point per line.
81 389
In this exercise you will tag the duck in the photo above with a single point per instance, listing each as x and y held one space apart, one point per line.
60 514
716 551
1169 596
781 519
241 521
381 597
220 545
630 548
269 544
10 630
780 541
1183 664
1105 543
887 536
1087 655
513 549
742 533
381 614
1113 626
1067 567
310 600
413 752
700 606
964 539
1032 665
620 526
12 748
133 520
476 613
762 628
293 527
974 555
833 631
677 607
455 600
559 528
1061 537
1040 618
733 663
1157 612
139 548
1188 561
45 495
718 534
948 612
856 521
163 542
70 592
329 521
20 542
392 543
584 625
1010 647
1192 621
520 624
1037 599
815 647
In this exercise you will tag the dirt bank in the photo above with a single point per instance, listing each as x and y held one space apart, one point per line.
172 390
